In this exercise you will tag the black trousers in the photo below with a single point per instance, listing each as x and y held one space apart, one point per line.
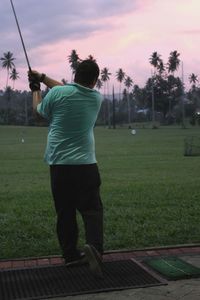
77 187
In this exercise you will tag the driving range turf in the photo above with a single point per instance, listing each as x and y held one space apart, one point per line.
150 190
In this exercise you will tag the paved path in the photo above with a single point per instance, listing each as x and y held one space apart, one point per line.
175 290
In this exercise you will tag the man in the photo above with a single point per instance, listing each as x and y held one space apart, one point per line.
72 111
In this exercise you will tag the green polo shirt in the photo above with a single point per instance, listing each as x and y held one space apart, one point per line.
72 112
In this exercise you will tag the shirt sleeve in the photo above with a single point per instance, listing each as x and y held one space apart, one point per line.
45 107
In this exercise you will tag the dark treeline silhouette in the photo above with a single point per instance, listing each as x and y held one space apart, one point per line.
132 106
163 97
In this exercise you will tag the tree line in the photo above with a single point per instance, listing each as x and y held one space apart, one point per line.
163 97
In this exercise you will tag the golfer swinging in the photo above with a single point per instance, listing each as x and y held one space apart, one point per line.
71 111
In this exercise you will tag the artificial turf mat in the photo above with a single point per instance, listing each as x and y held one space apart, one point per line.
173 268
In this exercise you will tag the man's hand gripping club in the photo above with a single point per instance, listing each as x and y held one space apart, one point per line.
35 78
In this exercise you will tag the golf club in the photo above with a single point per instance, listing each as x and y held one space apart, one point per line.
27 60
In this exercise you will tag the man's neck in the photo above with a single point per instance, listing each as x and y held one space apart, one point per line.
90 86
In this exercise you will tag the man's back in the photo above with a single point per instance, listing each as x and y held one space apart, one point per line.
72 112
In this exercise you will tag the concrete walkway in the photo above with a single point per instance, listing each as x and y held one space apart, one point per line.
175 290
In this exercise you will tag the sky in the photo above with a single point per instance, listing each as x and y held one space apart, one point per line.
118 33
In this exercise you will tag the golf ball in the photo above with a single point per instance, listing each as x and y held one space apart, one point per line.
133 131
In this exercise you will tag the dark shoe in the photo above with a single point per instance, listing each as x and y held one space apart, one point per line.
94 259
76 261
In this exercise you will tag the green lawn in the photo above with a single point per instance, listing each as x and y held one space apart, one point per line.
150 190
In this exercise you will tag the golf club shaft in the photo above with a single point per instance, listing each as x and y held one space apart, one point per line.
27 60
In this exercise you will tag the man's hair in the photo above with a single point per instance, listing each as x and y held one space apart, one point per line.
87 72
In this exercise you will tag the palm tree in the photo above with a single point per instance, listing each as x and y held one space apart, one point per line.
157 62
120 75
105 77
128 83
14 75
155 59
8 92
113 109
7 63
99 84
173 61
74 61
172 66
193 79
161 67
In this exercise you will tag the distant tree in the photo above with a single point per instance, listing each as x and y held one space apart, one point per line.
105 77
173 62
139 96
14 75
74 61
164 85
193 79
8 93
7 63
128 83
167 92
172 65
155 59
194 92
161 67
99 84
120 75
156 62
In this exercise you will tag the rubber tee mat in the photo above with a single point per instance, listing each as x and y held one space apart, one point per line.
173 268
55 281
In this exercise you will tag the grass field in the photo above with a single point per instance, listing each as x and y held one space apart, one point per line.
150 190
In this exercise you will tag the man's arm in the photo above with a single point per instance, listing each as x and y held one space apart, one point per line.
37 98
34 83
49 82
